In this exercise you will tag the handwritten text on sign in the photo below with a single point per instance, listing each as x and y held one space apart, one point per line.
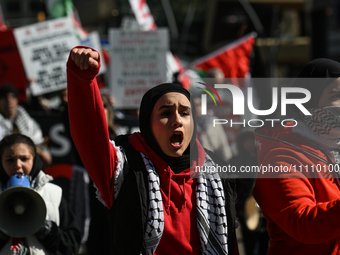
138 63
44 48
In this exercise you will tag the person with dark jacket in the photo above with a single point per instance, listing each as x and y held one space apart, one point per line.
157 203
302 202
60 234
254 234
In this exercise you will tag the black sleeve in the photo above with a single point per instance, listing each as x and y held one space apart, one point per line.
3 239
64 239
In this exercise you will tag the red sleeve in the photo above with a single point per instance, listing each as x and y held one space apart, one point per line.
89 128
306 209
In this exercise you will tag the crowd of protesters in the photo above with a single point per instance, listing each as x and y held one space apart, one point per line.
91 196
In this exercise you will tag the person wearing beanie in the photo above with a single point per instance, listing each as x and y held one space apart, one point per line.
301 202
157 203
60 233
15 119
315 76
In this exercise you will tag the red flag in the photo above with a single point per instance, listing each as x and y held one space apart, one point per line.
233 59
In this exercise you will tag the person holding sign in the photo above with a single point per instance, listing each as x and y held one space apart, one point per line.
156 204
300 194
60 234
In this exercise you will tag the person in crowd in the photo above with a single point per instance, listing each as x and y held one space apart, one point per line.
60 233
213 138
255 238
302 202
76 187
144 179
15 119
217 74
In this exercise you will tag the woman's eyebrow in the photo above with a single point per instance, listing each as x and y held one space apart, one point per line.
166 106
186 107
8 156
334 91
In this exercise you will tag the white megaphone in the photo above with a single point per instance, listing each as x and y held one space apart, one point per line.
22 209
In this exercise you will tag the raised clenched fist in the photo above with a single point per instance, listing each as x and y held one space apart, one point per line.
85 57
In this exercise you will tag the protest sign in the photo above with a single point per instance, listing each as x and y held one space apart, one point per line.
146 22
11 68
137 63
44 48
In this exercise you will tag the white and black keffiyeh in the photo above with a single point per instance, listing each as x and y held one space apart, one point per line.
323 120
211 214
322 128
155 221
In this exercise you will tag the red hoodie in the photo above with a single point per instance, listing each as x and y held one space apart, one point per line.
180 234
302 208
179 203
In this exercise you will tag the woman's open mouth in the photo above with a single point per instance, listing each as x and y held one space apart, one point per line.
176 140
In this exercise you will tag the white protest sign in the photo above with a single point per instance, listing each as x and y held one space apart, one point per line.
137 63
93 41
44 48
